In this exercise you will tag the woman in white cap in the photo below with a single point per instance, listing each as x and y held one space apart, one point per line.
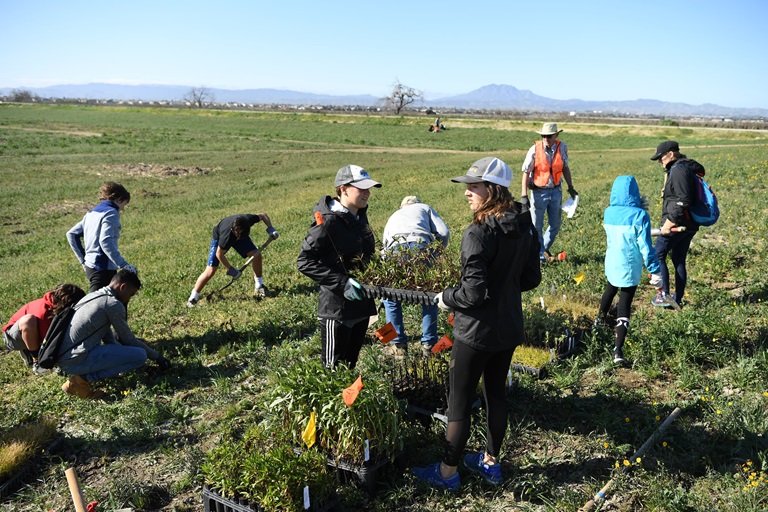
338 242
500 259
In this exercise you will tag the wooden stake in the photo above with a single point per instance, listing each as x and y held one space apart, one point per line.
74 489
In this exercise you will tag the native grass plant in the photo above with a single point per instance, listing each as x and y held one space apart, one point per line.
20 444
431 269
370 426
532 357
264 468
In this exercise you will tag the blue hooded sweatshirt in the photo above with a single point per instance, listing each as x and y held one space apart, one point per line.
628 231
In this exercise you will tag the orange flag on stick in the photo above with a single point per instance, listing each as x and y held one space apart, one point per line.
319 219
386 333
450 319
309 435
350 394
444 343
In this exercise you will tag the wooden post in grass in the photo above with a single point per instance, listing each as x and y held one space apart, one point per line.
639 453
74 489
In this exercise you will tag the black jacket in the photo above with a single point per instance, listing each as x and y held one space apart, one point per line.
680 192
499 259
332 250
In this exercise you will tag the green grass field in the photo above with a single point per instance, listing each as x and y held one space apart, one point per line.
569 433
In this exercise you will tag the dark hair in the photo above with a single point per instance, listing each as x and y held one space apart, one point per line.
112 191
240 228
499 200
65 295
127 277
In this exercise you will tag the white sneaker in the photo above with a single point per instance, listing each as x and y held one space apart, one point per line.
192 303
260 292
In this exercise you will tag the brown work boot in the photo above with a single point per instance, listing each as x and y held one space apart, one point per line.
76 385
548 256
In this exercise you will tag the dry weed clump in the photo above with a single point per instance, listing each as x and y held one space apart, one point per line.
19 445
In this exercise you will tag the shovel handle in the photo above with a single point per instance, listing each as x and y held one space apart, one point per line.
676 229
74 489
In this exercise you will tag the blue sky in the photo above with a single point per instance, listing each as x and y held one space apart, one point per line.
694 52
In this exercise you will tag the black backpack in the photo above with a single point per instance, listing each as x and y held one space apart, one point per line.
50 348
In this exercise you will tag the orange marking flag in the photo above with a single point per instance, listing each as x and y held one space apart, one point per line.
319 219
386 333
309 435
450 319
350 394
444 343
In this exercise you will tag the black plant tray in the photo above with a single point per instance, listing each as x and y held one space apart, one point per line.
214 502
398 294
367 474
440 415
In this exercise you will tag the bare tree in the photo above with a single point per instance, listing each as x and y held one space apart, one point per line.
22 96
200 97
402 96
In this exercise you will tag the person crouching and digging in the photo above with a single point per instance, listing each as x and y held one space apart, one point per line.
91 351
234 231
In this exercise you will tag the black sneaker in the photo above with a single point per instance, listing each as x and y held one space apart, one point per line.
618 358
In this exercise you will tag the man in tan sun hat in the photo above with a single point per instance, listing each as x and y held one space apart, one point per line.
545 165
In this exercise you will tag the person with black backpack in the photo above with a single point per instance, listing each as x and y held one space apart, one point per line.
27 328
91 351
679 194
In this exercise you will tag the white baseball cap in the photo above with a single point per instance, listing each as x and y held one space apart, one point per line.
490 169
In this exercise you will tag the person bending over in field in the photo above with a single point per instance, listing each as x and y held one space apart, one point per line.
26 329
91 351
234 231
94 239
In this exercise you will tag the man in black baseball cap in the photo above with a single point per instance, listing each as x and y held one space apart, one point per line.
664 148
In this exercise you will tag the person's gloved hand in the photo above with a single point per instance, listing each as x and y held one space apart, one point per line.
656 281
572 192
441 304
525 201
130 268
163 363
234 273
353 290
272 232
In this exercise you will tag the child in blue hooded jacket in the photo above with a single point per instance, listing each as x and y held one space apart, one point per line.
628 232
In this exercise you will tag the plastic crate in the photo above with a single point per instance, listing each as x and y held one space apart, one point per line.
214 502
367 474
398 294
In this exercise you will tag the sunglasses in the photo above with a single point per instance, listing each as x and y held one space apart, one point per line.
548 136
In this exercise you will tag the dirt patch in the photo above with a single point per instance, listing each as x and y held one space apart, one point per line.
65 207
157 170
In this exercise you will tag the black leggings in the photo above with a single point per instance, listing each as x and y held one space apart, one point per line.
467 366
625 300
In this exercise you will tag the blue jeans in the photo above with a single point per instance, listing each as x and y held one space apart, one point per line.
394 311
677 244
105 361
549 201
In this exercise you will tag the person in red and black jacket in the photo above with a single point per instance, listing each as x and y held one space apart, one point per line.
26 329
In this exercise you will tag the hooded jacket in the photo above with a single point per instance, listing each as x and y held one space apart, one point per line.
330 252
42 309
499 260
680 192
628 233
100 231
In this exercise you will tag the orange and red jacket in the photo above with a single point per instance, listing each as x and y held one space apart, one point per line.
542 168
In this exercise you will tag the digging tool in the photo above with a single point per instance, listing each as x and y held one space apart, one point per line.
639 453
668 299
677 229
74 489
244 265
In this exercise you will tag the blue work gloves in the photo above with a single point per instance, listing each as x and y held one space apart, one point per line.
234 273
353 290
272 232
130 268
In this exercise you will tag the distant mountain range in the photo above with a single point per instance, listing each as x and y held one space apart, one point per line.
489 97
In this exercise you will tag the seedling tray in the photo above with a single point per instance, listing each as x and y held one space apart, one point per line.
215 502
399 294
367 474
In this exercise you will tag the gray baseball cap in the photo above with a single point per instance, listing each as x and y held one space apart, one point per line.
490 169
356 176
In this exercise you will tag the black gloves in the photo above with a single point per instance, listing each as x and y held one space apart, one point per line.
163 364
